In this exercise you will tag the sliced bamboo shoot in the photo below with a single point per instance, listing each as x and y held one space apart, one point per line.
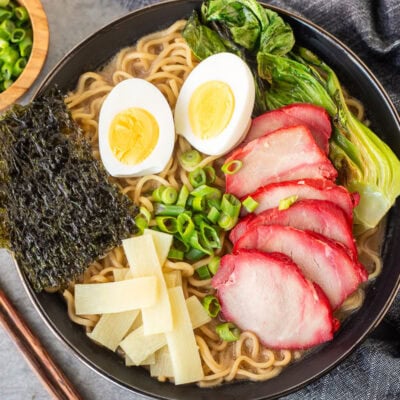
115 297
143 261
112 328
185 357
173 278
162 243
162 365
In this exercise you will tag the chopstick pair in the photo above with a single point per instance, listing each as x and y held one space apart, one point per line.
54 380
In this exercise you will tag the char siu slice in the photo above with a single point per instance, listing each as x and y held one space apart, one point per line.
270 195
286 154
314 117
323 217
321 260
268 295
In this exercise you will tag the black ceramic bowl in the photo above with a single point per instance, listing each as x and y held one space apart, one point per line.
99 48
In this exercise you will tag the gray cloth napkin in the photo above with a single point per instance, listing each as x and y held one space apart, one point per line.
371 28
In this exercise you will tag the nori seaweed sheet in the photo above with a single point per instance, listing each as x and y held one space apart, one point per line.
58 211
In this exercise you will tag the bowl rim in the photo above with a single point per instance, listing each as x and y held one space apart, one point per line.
372 325
37 57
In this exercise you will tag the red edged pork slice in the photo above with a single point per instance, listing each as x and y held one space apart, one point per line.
320 260
323 217
314 117
269 196
286 154
268 295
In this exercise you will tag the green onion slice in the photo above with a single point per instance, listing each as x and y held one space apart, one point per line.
183 196
230 205
185 226
194 254
21 13
168 210
203 272
231 167
284 204
213 215
169 195
175 254
210 174
211 193
250 204
213 265
197 177
167 224
228 332
189 159
211 305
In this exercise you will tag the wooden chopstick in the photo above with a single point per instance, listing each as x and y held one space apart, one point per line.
55 381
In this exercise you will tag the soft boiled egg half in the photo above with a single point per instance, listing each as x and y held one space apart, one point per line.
214 106
136 129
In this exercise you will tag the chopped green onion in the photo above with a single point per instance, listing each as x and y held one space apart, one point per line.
185 226
179 244
206 191
6 71
9 55
169 195
175 254
5 14
167 224
231 167
183 196
19 67
209 236
146 213
7 27
250 204
213 215
197 177
210 174
4 3
7 84
199 204
25 46
228 332
194 254
141 223
21 13
17 35
190 159
226 222
195 243
230 205
3 44
211 305
203 272
213 265
156 195
168 210
284 204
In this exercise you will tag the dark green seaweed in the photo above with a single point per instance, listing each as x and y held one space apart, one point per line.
58 211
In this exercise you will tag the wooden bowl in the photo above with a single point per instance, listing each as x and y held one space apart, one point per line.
37 58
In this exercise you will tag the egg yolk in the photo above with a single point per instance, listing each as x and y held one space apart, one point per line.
210 109
133 135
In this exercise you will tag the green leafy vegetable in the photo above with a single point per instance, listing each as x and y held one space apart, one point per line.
242 27
58 213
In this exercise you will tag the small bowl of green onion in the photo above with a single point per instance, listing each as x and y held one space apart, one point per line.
24 38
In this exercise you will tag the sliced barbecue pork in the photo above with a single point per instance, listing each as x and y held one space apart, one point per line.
314 117
323 217
268 295
286 154
321 260
270 195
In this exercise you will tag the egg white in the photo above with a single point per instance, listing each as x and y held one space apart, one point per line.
232 70
138 93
